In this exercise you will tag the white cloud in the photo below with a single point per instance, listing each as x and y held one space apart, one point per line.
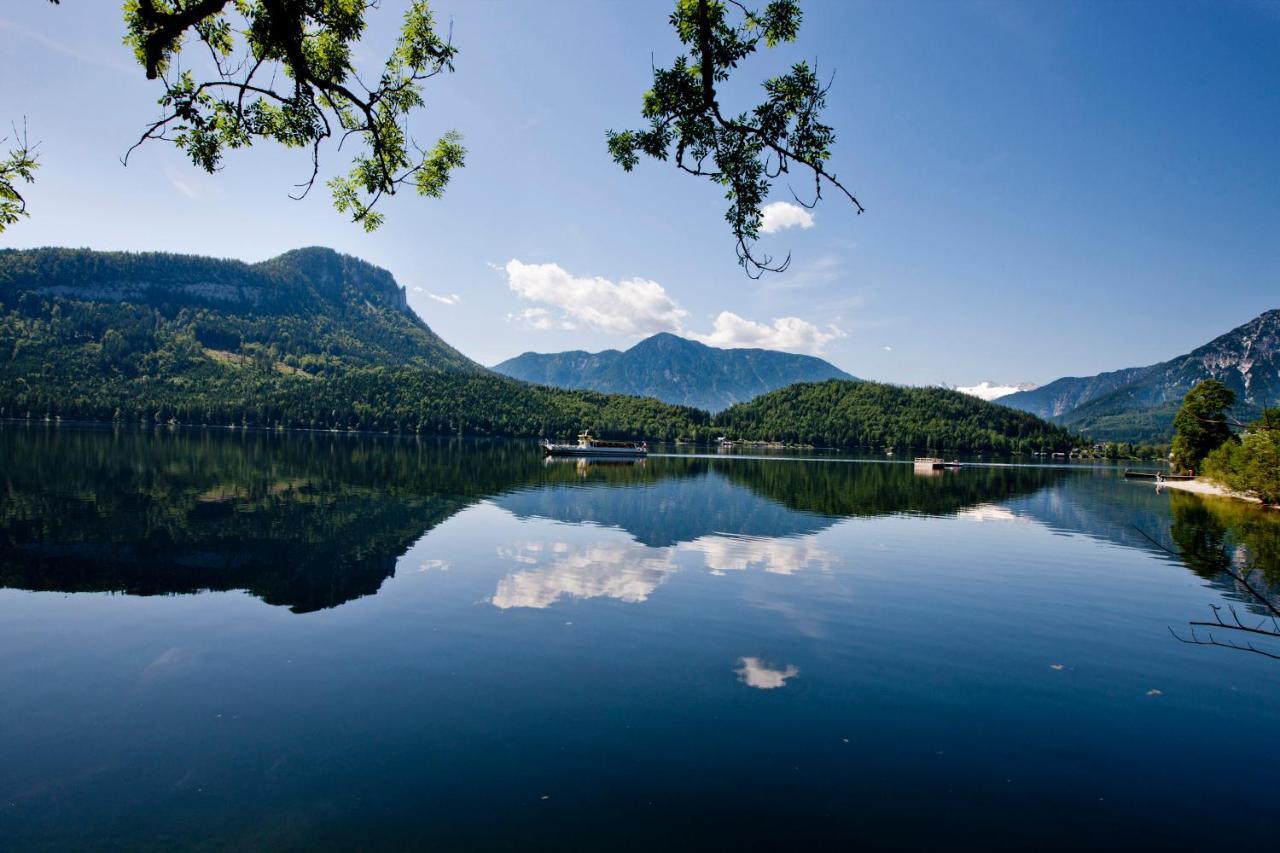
632 306
637 306
754 672
786 333
985 390
780 215
888 348
451 299
534 318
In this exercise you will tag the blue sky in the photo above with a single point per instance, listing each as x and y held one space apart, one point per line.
1051 188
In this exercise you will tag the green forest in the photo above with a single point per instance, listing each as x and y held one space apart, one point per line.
317 340
840 413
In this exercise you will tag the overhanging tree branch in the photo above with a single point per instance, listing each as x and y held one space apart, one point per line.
18 167
751 149
313 92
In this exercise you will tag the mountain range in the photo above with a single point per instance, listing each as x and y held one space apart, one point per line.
310 339
317 340
1138 403
673 369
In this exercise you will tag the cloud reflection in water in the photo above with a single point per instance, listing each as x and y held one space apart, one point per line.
609 570
630 572
754 672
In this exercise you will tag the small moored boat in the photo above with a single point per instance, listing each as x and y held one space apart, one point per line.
933 463
588 446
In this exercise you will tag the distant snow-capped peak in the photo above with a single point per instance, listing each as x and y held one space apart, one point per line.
987 390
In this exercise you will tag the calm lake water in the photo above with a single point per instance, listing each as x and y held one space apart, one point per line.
214 641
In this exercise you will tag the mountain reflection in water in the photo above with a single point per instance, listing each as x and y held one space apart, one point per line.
312 521
500 653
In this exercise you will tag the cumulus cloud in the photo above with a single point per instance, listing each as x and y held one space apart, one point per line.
636 306
754 672
633 306
780 215
785 333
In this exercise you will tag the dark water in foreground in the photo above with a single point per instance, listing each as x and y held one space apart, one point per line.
226 641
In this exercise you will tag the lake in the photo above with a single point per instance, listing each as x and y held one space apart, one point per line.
226 640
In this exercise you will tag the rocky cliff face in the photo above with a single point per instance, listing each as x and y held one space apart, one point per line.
1247 359
307 302
1070 392
279 284
1138 403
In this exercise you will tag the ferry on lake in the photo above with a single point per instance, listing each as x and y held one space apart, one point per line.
588 446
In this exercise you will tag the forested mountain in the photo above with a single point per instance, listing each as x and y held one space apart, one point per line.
309 339
870 414
316 340
674 370
309 309
1138 404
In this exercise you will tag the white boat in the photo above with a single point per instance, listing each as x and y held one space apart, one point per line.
933 463
588 446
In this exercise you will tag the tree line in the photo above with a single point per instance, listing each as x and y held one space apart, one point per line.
68 359
1207 440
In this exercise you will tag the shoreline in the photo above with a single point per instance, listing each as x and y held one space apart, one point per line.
1203 487
710 444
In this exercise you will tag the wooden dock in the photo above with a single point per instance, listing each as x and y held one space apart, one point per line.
1131 474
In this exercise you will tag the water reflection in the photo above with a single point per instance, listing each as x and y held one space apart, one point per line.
628 571
302 522
551 660
754 672
622 570
313 521
782 556
1234 546
991 512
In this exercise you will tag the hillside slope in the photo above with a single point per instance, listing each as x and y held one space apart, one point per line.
870 414
675 370
316 340
1138 404
1070 392
309 339
309 308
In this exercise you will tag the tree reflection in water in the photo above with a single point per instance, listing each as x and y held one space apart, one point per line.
310 521
1235 545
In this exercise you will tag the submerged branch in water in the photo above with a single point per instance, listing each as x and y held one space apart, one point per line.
1261 629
